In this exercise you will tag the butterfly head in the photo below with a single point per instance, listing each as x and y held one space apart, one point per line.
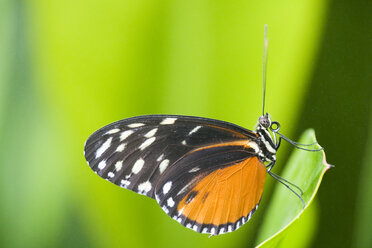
266 123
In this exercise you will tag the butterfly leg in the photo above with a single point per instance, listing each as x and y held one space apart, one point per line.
270 166
287 184
298 145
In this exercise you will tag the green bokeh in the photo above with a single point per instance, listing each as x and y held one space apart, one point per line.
69 67
362 235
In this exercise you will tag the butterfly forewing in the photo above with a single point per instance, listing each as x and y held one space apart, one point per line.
134 153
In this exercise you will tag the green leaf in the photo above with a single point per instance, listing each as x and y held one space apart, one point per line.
282 220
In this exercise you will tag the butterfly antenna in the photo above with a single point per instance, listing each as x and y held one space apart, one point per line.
285 183
265 47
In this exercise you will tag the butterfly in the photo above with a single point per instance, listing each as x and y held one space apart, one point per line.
206 174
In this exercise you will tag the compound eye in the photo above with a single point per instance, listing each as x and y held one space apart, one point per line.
264 121
275 126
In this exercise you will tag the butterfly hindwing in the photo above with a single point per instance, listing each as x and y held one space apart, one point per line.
214 189
134 153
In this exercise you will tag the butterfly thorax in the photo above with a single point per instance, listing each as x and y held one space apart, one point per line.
265 141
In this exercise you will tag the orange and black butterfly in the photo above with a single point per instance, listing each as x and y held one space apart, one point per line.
206 174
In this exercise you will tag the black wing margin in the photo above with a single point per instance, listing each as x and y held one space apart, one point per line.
133 153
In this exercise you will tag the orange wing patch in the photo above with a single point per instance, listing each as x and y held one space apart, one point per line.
246 144
225 196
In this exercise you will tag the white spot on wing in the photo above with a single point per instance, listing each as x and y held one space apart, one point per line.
168 121
167 187
194 169
222 230
184 188
112 131
119 165
110 174
163 165
205 230
188 225
144 187
183 142
124 183
195 228
102 165
166 210
160 157
103 148
120 148
170 202
194 130
238 224
147 142
138 166
151 133
136 125
125 134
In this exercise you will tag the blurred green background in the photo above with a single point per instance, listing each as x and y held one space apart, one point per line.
68 68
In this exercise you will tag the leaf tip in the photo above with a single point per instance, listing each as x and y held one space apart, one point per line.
325 163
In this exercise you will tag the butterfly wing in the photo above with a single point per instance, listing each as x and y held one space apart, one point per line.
213 189
134 153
